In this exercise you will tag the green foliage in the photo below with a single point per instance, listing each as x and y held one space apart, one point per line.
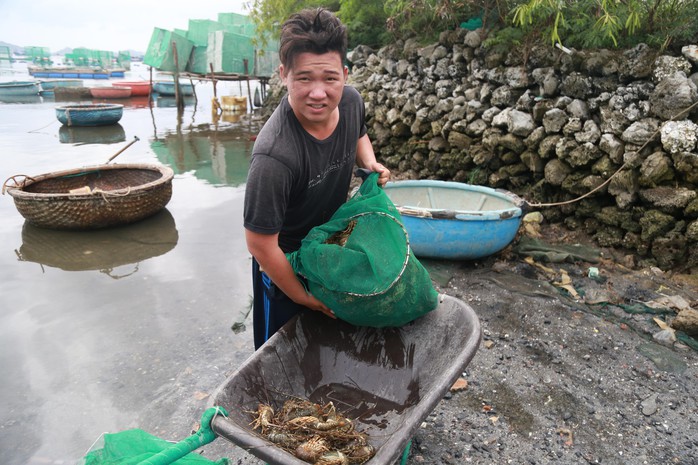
269 15
425 19
608 23
574 23
365 21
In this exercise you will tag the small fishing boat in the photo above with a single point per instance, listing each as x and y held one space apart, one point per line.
18 88
92 197
69 72
110 92
168 88
49 85
138 88
452 220
89 114
69 93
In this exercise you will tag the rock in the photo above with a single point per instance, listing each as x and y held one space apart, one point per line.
583 154
554 120
665 66
613 146
641 132
556 171
656 169
686 321
472 39
673 96
576 85
668 199
690 52
359 55
649 405
636 63
686 165
692 231
655 224
679 136
590 133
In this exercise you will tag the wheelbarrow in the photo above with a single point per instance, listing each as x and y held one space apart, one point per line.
387 380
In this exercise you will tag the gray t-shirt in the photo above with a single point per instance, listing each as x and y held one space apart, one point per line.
297 182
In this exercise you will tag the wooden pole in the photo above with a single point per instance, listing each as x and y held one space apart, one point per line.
247 77
215 104
150 89
178 96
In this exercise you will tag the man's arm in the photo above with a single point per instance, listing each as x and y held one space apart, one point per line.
366 158
265 249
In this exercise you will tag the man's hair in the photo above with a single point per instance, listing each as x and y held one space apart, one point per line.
314 30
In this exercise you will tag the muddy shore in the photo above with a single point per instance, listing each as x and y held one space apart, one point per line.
570 370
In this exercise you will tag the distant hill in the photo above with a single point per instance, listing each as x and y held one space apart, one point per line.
18 50
14 49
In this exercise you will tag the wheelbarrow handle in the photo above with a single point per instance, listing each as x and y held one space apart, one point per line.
202 437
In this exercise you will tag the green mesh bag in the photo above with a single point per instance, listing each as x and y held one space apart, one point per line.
137 447
361 266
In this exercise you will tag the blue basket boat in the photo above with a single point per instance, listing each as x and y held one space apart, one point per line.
90 114
452 220
19 88
168 88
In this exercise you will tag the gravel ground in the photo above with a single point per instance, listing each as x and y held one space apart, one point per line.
566 379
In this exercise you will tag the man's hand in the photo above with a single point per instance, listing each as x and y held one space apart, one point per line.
384 173
314 304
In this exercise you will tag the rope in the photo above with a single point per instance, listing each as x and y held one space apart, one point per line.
43 127
607 181
106 194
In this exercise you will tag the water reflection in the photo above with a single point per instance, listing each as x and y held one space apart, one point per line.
170 102
139 101
109 134
20 98
101 250
218 157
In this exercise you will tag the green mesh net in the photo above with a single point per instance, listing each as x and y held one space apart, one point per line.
137 447
361 266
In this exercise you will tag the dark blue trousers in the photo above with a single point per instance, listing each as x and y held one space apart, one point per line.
271 309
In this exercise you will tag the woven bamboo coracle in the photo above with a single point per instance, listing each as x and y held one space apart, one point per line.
92 197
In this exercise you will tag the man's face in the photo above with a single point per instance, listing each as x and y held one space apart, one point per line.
315 84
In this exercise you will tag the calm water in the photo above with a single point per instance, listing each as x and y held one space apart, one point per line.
127 327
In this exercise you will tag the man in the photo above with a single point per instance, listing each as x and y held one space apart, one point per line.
302 163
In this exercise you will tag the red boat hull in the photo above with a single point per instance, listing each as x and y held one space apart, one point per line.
110 92
138 88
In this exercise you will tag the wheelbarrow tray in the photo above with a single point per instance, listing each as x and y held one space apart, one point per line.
387 380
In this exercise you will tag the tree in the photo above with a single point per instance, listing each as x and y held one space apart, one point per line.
365 21
269 15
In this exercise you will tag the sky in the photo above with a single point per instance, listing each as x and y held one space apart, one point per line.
102 24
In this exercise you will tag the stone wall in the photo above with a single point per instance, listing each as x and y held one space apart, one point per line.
549 125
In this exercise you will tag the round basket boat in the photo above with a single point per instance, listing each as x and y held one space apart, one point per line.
138 88
92 197
452 220
110 92
90 114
